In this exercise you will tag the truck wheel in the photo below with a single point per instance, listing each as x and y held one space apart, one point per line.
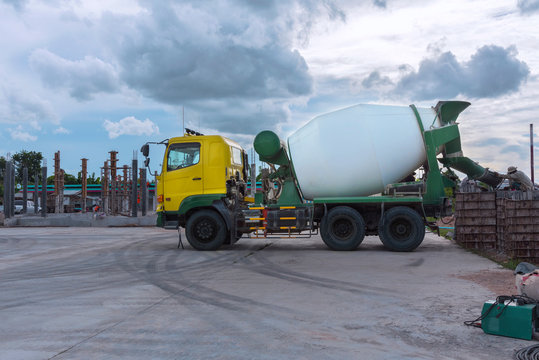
342 228
205 230
401 229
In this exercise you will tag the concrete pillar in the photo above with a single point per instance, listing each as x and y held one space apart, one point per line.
253 180
35 197
12 189
84 178
24 190
7 192
134 207
44 190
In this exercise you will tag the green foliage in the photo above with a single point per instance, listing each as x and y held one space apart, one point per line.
68 180
89 179
29 159
93 180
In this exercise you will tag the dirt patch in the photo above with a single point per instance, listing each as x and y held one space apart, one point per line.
500 282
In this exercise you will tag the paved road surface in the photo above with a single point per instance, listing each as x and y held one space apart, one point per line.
128 293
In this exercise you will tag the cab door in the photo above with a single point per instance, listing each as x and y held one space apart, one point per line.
184 174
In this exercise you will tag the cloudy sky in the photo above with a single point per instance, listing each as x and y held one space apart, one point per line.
87 77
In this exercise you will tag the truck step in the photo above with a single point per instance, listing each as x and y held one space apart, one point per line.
171 225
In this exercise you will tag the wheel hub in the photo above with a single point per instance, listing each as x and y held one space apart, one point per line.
205 230
401 229
342 228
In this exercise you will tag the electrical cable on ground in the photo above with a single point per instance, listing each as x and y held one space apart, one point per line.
527 353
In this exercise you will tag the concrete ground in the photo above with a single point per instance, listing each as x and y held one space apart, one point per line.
129 293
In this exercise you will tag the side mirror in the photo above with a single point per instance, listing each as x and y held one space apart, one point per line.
145 150
147 162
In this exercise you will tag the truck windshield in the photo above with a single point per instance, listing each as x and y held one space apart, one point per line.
182 155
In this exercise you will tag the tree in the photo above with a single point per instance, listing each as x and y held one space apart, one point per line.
68 180
93 180
29 159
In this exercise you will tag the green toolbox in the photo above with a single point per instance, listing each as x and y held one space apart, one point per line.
509 319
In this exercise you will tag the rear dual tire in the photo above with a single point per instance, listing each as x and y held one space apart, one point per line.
401 229
342 228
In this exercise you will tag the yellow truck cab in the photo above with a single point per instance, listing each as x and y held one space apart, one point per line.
200 179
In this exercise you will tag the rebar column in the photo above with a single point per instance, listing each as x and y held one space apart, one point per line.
24 190
134 207
105 187
44 189
113 203
125 190
61 190
143 191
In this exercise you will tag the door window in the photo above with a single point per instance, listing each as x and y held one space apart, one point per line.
236 156
183 155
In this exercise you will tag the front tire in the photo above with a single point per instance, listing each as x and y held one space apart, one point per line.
401 229
205 230
342 228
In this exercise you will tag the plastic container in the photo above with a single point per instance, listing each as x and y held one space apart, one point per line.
358 150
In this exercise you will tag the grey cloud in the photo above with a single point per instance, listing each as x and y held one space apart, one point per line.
375 79
312 8
231 62
528 6
380 3
491 141
239 117
83 78
521 151
17 4
216 50
490 72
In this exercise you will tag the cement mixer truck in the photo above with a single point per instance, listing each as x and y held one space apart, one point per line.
342 175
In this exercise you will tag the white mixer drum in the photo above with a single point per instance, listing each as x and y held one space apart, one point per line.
358 150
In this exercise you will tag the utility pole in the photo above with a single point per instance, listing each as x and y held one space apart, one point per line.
531 154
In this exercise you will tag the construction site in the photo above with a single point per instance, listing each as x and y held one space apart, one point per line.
429 257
